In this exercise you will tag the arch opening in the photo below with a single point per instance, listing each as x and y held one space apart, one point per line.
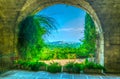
100 38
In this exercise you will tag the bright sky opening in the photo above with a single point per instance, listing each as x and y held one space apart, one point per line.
70 22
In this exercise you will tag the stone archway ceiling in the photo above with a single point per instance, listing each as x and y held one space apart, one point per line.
32 6
105 13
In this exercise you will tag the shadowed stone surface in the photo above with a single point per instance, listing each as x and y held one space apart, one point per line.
46 75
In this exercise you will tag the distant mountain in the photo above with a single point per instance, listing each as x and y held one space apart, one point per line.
63 44
57 42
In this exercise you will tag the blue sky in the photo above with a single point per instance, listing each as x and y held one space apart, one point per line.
70 22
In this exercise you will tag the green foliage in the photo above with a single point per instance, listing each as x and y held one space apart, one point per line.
28 65
46 54
58 53
90 34
54 67
72 67
68 52
31 45
30 36
92 65
89 41
20 64
35 66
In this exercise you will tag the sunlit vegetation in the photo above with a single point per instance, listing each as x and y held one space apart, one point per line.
89 42
58 53
31 45
54 67
67 51
72 67
30 36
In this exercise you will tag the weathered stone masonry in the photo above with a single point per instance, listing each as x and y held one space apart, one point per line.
105 13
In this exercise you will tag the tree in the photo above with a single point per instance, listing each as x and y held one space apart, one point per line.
90 34
31 32
89 41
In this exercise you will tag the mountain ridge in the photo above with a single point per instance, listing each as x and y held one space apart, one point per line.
63 44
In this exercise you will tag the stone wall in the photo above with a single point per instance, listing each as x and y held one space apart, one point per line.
109 15
105 13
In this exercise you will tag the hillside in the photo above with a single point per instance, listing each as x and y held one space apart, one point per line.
63 44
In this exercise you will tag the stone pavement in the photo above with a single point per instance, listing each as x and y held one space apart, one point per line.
18 74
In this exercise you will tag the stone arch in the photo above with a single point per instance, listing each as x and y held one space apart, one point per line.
32 6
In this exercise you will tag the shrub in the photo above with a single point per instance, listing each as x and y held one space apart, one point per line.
35 66
28 65
92 65
54 67
72 67
20 64
69 67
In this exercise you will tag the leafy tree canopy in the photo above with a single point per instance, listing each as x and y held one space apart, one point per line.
31 32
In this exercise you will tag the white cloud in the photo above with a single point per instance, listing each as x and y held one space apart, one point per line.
71 30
